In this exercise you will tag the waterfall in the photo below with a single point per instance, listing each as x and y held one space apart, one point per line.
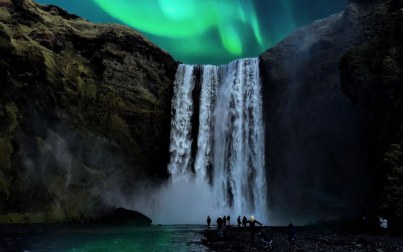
181 127
204 158
229 154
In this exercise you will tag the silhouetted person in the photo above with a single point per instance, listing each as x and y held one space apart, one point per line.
208 222
291 236
244 221
252 227
228 219
239 221
224 219
219 226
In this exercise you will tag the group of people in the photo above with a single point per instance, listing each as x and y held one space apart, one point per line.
222 222
243 222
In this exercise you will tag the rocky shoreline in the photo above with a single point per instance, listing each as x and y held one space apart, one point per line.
308 238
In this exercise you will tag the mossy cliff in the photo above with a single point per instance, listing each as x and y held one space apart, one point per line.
84 108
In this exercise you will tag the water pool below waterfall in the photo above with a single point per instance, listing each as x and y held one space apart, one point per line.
86 238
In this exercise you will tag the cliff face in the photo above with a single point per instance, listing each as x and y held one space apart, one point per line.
84 109
321 89
372 77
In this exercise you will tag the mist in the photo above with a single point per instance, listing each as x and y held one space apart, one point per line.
77 170
66 171
183 201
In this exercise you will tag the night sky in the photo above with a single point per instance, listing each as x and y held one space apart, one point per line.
207 31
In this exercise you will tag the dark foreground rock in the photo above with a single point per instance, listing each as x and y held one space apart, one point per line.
308 239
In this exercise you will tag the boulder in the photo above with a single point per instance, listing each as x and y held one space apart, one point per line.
122 216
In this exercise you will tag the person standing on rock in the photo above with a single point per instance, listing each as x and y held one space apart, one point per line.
252 227
208 222
224 222
219 226
228 219
239 221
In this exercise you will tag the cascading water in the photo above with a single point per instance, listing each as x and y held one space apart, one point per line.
181 126
229 155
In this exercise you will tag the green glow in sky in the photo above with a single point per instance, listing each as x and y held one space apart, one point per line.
206 31
188 19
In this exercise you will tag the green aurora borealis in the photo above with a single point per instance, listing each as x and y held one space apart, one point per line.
207 31
188 19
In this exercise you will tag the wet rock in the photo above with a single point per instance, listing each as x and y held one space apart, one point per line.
121 216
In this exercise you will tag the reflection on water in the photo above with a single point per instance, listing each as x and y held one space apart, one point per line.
154 238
